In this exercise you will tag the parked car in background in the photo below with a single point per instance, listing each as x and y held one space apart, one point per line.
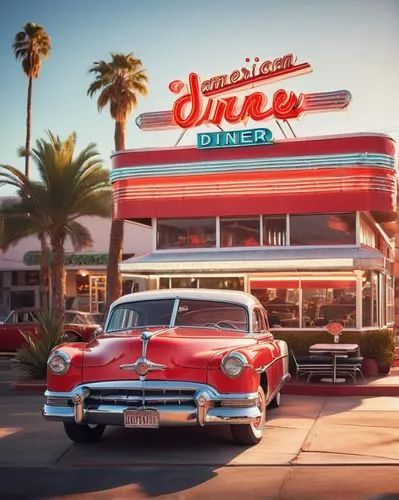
99 318
171 357
79 326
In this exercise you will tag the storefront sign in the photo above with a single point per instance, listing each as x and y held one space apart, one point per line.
219 100
254 137
73 259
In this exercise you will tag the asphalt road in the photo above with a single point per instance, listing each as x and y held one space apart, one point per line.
313 448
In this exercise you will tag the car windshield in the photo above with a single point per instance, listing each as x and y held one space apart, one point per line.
78 318
21 317
190 313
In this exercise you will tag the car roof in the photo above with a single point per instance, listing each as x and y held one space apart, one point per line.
238 297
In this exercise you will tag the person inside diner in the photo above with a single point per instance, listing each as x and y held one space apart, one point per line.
250 241
195 239
281 297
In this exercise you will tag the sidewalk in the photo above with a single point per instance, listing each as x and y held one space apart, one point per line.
383 385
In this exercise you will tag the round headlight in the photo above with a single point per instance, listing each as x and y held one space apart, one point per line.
59 362
233 364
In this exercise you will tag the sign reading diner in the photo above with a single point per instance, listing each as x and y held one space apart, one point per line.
253 137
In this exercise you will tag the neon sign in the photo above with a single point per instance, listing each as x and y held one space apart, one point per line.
215 100
253 137
259 74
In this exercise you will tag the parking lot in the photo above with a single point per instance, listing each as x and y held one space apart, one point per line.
305 433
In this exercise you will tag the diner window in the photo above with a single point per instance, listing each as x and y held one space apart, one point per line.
323 229
184 283
222 283
239 231
329 300
390 300
281 304
274 230
307 303
370 299
164 283
25 278
225 283
82 284
186 233
367 234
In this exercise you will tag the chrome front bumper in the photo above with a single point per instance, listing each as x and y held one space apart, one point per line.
178 403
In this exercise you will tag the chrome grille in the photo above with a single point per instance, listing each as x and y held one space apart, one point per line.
56 401
140 397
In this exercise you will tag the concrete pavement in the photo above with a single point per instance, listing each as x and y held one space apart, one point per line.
341 447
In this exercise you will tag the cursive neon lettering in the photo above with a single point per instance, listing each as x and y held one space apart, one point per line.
257 73
194 108
193 99
234 76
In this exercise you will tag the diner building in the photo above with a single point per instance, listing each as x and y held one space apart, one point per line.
305 224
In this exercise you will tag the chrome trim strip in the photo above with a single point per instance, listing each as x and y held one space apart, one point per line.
262 369
147 365
152 385
111 415
284 380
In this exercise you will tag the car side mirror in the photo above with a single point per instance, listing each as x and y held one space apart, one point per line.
98 331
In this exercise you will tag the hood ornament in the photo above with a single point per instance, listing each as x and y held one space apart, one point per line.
143 365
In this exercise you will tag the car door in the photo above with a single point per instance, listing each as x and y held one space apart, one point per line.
11 338
260 326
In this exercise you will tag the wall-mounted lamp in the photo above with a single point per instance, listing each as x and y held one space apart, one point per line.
83 273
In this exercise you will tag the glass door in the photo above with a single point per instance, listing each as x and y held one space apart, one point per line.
97 294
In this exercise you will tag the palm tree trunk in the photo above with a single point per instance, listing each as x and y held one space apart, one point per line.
28 127
119 135
58 276
114 278
44 271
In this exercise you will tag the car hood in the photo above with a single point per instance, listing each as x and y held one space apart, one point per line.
177 349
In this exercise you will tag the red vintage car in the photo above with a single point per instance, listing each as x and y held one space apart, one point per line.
79 326
171 357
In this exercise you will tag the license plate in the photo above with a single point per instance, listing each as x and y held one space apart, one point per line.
148 419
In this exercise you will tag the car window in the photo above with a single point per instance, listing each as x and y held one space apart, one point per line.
258 321
211 313
87 319
11 318
140 314
21 317
31 316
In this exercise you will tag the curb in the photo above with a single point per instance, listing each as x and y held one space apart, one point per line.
340 390
36 387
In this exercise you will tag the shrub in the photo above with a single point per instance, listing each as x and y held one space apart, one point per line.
380 346
31 359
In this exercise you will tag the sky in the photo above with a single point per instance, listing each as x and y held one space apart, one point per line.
350 44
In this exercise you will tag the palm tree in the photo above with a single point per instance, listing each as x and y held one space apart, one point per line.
31 45
119 82
70 186
44 253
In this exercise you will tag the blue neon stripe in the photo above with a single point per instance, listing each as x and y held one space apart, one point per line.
255 165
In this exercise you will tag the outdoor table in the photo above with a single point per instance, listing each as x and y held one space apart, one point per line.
335 350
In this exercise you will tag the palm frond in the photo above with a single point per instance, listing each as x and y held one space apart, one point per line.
31 360
118 82
79 235
31 45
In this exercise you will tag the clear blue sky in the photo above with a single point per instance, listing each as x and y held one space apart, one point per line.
351 44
